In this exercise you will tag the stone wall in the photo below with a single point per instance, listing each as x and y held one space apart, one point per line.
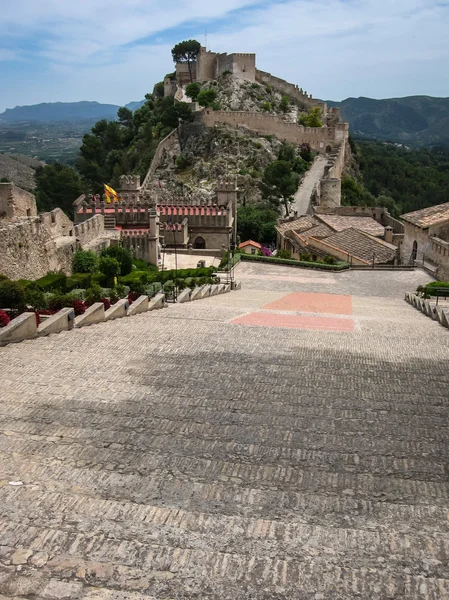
241 65
32 247
170 143
290 89
87 232
317 137
15 202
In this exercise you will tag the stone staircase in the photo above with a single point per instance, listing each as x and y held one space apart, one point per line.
109 221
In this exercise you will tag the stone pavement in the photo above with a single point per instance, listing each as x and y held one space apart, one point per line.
303 196
190 453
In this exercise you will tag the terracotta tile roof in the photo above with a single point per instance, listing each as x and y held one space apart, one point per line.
361 245
428 216
300 224
319 231
340 223
250 243
184 211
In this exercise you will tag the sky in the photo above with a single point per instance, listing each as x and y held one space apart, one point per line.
114 51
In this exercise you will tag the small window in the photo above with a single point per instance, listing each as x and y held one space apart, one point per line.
253 251
53 218
28 212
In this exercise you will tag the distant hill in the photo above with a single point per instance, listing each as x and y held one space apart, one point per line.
414 120
19 169
63 111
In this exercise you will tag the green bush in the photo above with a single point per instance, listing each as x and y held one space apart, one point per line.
11 294
52 282
98 279
36 299
78 280
110 267
192 90
183 161
122 255
206 97
284 254
266 106
84 261
94 294
77 294
24 283
3 277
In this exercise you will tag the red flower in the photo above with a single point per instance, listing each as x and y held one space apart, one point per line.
4 319
79 307
106 302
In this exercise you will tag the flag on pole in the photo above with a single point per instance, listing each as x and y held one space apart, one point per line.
110 193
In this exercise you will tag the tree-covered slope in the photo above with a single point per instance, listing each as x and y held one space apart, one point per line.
413 120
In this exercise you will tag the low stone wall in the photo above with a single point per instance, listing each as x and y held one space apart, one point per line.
15 202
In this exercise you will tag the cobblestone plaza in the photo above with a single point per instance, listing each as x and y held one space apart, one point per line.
286 441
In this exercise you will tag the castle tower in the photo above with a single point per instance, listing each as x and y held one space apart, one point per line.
129 184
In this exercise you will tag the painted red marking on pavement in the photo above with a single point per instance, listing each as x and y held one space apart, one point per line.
333 304
262 319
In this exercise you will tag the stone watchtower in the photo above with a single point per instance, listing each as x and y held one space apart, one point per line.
227 196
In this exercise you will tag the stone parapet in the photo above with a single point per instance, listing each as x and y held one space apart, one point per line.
157 302
138 306
94 314
63 320
184 296
117 310
21 328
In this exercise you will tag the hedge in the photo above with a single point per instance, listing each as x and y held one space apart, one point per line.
77 281
52 282
294 263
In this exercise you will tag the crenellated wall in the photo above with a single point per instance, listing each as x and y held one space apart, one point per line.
290 89
89 230
318 137
32 247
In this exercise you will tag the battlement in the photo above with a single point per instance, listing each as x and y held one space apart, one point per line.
129 183
226 185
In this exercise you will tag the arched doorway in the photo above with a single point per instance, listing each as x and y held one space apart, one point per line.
414 250
328 149
199 244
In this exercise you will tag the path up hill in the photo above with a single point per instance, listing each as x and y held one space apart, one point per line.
413 120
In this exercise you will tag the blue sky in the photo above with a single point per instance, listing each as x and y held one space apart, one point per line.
115 50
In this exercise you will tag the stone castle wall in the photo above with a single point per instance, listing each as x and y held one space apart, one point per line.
318 137
169 144
15 202
290 89
89 230
32 247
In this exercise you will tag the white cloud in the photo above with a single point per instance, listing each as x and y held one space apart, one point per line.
96 49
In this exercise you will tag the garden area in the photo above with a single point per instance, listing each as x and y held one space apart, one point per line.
106 278
282 257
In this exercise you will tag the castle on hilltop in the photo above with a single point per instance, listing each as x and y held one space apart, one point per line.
210 65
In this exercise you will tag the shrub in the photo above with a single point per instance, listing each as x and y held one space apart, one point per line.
98 279
52 282
110 267
3 277
206 97
266 106
184 161
295 263
122 255
4 319
79 307
85 261
285 102
11 294
36 299
77 294
59 301
93 294
192 90
77 281
132 297
284 254
106 302
226 72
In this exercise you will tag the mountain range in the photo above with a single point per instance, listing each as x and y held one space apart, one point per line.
63 111
413 120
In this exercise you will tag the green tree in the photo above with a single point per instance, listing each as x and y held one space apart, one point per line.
57 186
207 97
125 116
122 255
186 52
257 222
192 90
312 118
171 116
280 176
285 103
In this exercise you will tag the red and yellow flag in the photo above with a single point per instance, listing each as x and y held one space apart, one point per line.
111 194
